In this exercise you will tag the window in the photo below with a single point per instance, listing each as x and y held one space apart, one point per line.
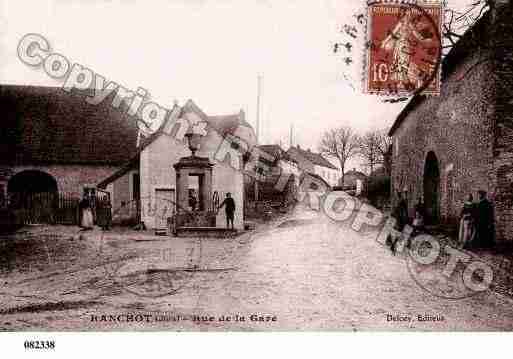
3 199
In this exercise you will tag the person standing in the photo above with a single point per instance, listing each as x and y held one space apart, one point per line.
192 200
485 221
400 213
105 214
420 213
86 214
467 230
229 205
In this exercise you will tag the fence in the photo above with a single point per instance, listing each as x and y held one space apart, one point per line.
43 207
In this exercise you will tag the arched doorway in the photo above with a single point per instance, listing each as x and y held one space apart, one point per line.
32 181
432 188
33 195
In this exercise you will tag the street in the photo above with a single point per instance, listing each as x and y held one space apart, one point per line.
299 272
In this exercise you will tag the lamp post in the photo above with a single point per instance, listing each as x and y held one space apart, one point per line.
193 140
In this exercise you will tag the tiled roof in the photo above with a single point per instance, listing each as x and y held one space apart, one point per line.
313 157
228 123
355 173
49 125
130 165
233 124
316 176
276 152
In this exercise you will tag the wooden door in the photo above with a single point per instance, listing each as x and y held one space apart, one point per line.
164 206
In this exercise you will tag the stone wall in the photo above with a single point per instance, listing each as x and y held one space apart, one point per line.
503 145
458 127
469 128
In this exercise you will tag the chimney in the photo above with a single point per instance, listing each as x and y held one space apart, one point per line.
299 147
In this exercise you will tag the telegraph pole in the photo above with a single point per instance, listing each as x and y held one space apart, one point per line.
291 140
259 89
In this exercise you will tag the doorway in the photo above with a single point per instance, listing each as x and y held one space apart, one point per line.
164 206
432 188
33 195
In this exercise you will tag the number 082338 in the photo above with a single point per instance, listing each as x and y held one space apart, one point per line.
39 344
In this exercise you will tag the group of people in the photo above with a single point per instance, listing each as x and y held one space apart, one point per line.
103 213
476 222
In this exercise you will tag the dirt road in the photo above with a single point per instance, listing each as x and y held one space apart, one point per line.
300 272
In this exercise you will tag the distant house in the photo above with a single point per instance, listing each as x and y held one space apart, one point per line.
378 187
149 176
283 163
315 163
354 180
53 141
312 183
282 167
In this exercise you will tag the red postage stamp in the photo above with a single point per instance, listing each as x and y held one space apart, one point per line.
403 48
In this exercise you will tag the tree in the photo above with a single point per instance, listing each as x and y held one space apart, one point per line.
374 148
341 143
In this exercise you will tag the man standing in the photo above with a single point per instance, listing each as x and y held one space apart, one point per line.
400 213
229 204
420 213
192 199
485 221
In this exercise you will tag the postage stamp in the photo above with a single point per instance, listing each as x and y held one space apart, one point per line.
403 48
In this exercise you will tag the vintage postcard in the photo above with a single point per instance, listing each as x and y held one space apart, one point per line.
219 165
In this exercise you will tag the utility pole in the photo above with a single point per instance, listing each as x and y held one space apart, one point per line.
291 135
257 177
259 88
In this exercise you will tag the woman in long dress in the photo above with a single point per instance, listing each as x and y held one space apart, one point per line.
104 213
467 231
86 220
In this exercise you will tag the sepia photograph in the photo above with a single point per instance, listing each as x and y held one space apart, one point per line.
255 166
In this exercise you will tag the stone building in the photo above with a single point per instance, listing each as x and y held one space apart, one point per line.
146 186
449 146
53 141
315 164
282 166
354 179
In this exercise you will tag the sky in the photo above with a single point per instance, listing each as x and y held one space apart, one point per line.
212 51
